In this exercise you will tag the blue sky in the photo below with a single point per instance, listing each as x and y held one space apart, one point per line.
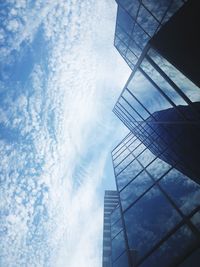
60 77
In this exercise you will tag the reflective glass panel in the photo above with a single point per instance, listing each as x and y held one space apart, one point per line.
118 246
173 249
128 174
147 94
182 190
124 20
158 8
196 220
162 83
131 57
128 106
115 215
124 163
116 228
135 189
121 36
122 261
158 168
140 37
188 88
121 157
146 157
148 220
147 21
135 48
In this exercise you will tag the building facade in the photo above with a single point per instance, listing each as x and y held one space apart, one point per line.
111 200
159 103
156 165
160 210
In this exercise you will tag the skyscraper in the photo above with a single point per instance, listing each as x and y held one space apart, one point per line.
111 200
156 165
160 209
160 102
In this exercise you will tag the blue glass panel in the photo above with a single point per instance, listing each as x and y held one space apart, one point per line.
136 105
139 150
134 145
140 37
173 249
120 46
135 48
196 220
124 163
147 21
188 88
162 83
121 157
122 261
128 174
148 220
121 35
135 189
182 190
124 20
146 157
158 168
176 4
131 6
158 8
131 57
115 215
147 94
118 246
116 228
128 106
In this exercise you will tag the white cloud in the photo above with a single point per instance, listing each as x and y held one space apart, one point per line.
75 100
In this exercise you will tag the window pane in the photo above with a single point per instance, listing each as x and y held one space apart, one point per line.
147 21
182 190
162 83
188 88
146 157
140 37
158 8
173 249
118 246
122 261
157 168
128 174
116 228
147 94
148 220
115 215
124 163
124 20
196 219
135 189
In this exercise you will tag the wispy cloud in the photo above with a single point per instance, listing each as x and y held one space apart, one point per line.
51 212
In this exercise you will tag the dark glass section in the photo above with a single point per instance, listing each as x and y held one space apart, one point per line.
135 189
148 220
124 20
115 215
116 228
193 260
182 190
118 246
122 261
172 250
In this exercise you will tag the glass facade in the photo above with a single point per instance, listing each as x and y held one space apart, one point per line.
157 220
137 22
159 104
159 207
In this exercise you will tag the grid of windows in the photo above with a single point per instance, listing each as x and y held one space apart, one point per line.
111 200
160 208
161 107
137 22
